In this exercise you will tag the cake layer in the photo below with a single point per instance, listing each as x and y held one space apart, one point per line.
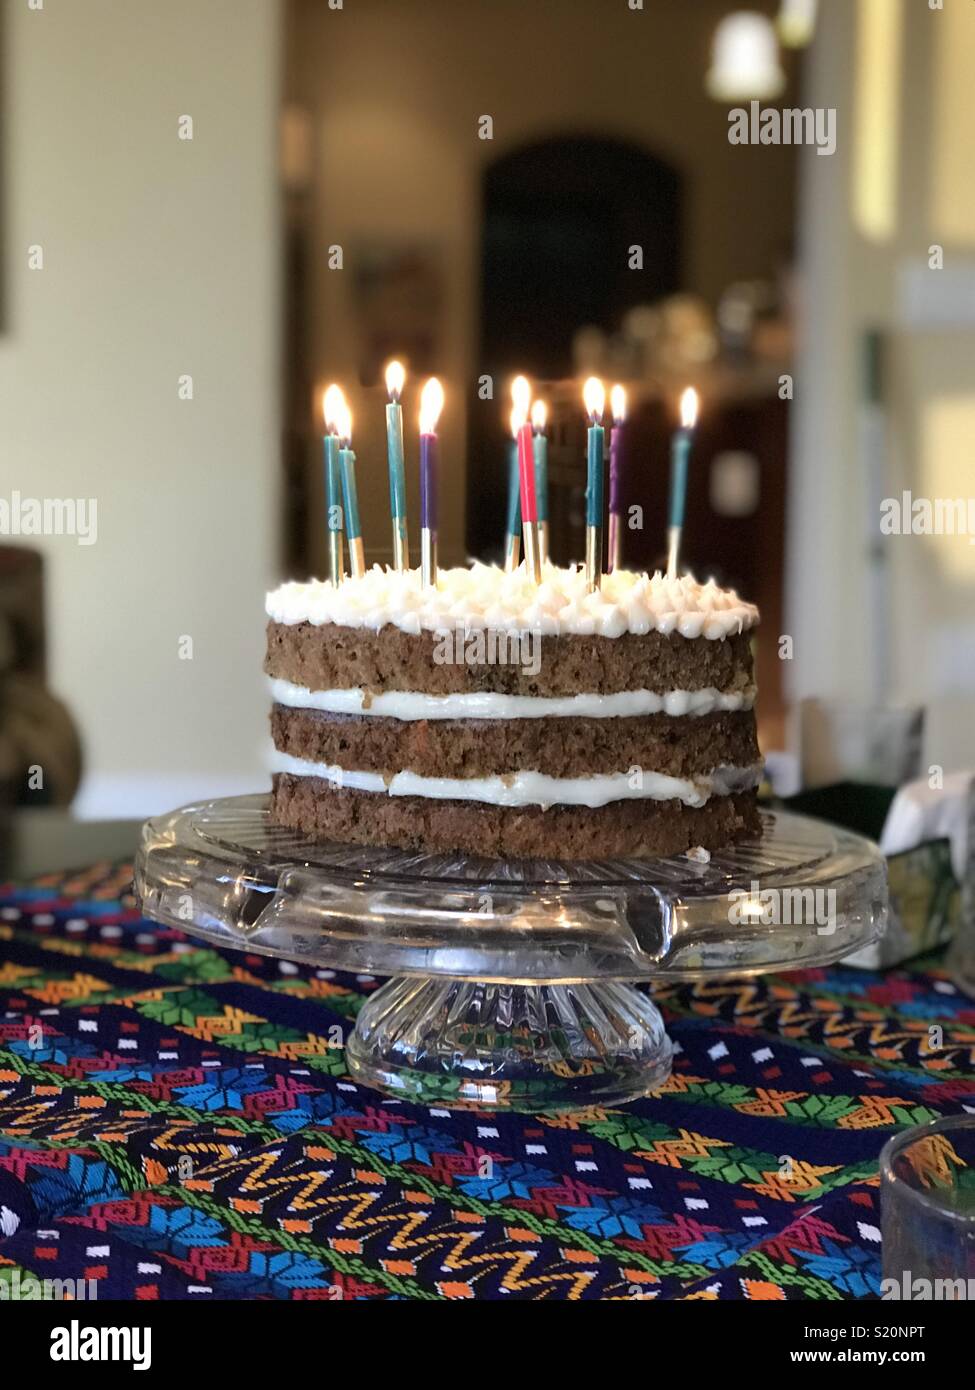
487 704
527 788
640 828
561 748
329 657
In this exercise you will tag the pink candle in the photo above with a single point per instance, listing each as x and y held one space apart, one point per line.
526 473
529 500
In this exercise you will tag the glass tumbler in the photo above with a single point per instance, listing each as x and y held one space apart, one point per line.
927 1181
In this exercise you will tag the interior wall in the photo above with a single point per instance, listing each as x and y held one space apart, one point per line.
394 94
160 258
865 264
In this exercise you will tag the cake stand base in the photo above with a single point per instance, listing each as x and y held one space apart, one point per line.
510 1047
511 982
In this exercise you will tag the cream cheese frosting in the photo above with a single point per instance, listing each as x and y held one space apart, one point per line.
411 705
484 596
533 788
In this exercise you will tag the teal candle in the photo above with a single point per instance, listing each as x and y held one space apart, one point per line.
680 457
333 483
594 398
395 378
333 507
594 475
350 494
513 527
397 467
334 410
540 448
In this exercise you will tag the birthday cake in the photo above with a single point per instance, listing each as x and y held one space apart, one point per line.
495 716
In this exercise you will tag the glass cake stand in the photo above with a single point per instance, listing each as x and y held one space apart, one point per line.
513 981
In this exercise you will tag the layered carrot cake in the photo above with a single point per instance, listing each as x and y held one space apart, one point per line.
497 717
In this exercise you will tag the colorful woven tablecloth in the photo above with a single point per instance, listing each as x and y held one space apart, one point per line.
177 1122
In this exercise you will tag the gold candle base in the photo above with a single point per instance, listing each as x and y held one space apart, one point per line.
336 558
543 540
533 561
357 557
512 553
615 546
401 548
673 550
594 558
428 557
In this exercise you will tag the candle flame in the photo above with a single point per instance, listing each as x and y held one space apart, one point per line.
395 380
333 402
617 404
516 419
521 395
689 402
343 422
431 404
594 397
539 416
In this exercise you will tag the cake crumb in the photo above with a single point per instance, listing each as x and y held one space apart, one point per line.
367 699
699 854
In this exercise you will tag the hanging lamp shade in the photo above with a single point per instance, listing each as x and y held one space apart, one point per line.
745 59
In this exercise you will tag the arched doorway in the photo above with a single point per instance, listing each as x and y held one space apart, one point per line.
559 217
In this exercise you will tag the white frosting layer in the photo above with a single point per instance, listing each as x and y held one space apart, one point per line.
532 788
484 596
411 705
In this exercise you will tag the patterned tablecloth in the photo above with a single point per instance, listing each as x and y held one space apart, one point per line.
177 1122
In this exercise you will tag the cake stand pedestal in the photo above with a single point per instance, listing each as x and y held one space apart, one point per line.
513 981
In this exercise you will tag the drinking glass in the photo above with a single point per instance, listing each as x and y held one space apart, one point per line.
927 1180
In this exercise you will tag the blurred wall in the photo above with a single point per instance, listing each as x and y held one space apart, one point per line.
899 185
160 258
393 95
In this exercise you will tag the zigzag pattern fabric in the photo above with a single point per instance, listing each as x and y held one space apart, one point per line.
177 1122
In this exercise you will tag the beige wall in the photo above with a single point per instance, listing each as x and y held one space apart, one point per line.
856 261
160 258
394 93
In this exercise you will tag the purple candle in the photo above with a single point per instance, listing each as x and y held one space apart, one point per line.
431 404
617 399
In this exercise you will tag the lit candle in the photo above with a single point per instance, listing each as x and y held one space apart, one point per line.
350 495
540 445
521 395
529 499
680 455
395 380
331 404
594 397
617 404
431 404
512 535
